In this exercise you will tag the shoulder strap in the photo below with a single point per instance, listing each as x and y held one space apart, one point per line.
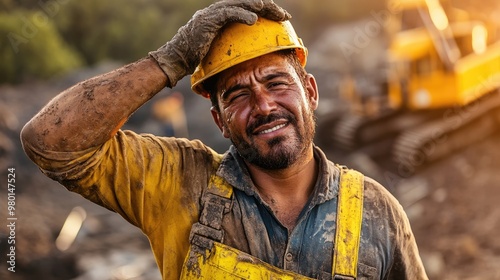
349 218
216 201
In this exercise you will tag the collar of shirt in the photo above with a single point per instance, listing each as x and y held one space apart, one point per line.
233 169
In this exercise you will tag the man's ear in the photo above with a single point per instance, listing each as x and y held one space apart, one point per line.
312 91
218 121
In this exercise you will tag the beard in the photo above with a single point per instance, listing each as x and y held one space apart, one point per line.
282 151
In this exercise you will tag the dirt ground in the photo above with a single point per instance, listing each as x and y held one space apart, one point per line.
453 208
456 223
452 205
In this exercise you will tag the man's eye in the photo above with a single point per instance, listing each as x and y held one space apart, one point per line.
237 95
275 85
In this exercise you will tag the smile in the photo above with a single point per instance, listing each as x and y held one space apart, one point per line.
272 129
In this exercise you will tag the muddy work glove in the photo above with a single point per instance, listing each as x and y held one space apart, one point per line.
180 56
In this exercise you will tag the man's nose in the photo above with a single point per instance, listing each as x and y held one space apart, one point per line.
263 103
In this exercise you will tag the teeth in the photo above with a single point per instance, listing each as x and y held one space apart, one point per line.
272 129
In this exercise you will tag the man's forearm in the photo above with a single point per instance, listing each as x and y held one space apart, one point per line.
89 113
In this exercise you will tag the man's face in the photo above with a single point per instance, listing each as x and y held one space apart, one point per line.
266 112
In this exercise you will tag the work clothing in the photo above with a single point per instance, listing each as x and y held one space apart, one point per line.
157 184
208 258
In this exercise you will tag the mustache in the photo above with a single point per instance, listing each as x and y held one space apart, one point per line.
268 119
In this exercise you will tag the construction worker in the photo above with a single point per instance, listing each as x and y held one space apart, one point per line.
266 209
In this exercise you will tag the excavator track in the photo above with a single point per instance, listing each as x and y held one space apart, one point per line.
455 130
356 132
345 132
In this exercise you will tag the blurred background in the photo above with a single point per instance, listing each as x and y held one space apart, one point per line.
409 95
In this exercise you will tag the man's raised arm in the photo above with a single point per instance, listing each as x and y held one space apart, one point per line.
89 113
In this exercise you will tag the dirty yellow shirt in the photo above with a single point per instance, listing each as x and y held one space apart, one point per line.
154 183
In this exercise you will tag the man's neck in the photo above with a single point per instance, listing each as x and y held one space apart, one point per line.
286 191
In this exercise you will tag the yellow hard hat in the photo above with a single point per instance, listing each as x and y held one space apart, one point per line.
239 42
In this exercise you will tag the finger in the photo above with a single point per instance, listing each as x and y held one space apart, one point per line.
219 18
237 14
251 5
266 8
273 12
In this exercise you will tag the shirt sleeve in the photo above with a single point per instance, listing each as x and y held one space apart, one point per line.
407 263
394 233
141 177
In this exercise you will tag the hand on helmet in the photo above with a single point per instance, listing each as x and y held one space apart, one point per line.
180 56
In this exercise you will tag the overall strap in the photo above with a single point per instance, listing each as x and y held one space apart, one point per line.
349 218
215 202
209 258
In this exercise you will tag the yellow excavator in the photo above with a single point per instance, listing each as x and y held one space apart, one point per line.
440 93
